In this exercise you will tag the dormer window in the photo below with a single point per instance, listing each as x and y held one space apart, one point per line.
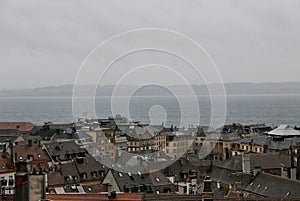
94 174
157 179
120 174
33 169
101 173
30 157
42 168
83 175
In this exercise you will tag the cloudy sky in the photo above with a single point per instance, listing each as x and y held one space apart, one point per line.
43 43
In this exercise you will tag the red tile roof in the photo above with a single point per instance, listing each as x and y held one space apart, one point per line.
21 126
94 197
6 165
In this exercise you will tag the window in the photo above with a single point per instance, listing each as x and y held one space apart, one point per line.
3 181
83 175
120 174
101 173
11 180
30 157
94 174
42 168
157 179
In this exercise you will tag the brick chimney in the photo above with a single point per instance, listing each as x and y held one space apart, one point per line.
29 143
246 163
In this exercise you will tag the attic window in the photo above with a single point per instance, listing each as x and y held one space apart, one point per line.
129 174
266 188
288 193
258 186
157 179
251 184
20 157
39 155
120 174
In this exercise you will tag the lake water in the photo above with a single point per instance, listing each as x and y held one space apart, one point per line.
270 109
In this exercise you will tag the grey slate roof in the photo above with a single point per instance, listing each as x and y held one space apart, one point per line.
230 177
223 136
268 185
258 139
265 161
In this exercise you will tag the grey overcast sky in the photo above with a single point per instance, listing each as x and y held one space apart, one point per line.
43 43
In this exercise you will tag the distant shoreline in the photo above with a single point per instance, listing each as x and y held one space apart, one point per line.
231 89
145 96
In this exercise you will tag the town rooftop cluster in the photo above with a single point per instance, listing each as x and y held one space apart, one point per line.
116 159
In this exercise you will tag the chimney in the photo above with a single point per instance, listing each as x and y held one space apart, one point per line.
218 185
29 143
207 191
246 163
21 187
39 143
284 171
7 145
298 167
257 169
182 161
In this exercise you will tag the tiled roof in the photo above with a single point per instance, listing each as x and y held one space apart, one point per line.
265 161
223 136
89 165
94 197
257 139
230 177
6 165
268 185
21 126
22 151
61 149
9 134
130 179
279 145
55 179
69 173
284 130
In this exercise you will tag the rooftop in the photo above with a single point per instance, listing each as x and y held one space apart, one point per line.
284 131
